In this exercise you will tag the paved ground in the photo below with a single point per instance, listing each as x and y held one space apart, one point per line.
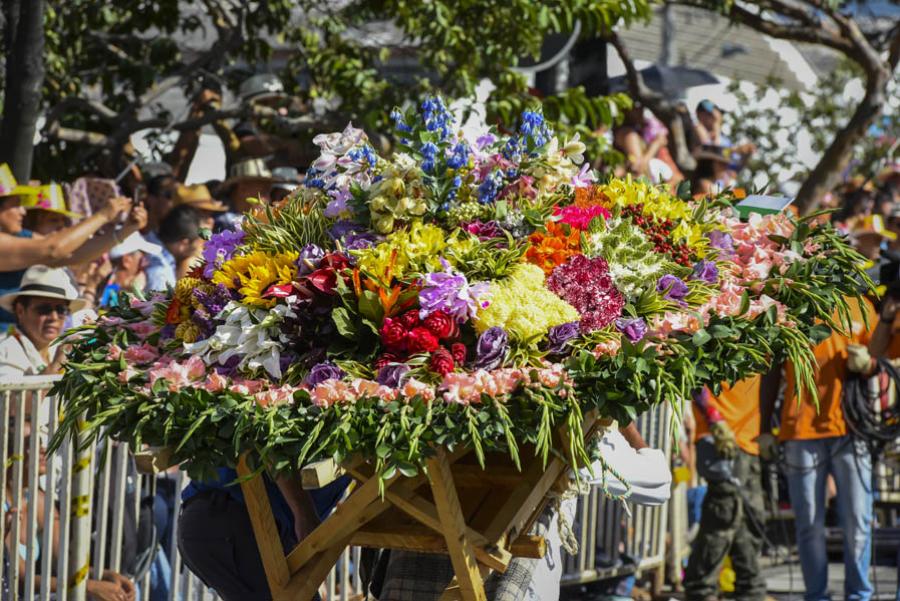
778 579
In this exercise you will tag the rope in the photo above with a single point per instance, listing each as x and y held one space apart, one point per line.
877 429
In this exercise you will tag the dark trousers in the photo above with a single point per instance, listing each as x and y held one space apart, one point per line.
729 525
215 538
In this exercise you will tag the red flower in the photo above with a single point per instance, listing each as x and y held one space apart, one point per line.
410 319
279 291
386 358
441 362
458 350
421 340
173 314
442 325
324 280
393 334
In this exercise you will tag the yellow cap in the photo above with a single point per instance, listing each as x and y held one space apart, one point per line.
10 187
50 198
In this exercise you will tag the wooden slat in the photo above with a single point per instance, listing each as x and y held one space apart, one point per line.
426 513
320 473
462 555
417 542
264 528
531 546
304 584
363 505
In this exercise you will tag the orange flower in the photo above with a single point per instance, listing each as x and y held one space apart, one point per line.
589 196
551 249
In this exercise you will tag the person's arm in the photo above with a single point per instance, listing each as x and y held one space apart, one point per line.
634 152
95 247
21 253
633 437
768 394
881 337
301 504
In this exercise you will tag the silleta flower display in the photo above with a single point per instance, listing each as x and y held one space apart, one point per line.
457 292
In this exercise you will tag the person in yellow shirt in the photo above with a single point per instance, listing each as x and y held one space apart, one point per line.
817 443
733 506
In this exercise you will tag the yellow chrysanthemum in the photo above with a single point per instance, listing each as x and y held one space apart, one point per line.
523 306
252 274
187 331
184 289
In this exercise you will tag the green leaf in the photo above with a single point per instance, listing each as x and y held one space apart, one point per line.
343 322
700 337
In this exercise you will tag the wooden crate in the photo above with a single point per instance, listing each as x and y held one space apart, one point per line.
480 518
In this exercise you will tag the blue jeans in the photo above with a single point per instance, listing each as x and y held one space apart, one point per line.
808 463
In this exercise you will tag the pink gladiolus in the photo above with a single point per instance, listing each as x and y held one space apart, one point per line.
142 328
330 392
412 387
246 386
609 348
275 396
114 352
138 355
215 382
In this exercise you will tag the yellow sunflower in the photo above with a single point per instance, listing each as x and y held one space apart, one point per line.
252 274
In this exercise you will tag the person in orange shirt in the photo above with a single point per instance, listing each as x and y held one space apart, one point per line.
733 506
817 443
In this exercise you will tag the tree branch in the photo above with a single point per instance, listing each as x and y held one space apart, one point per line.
660 106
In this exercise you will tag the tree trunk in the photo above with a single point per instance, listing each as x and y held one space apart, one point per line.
24 78
828 172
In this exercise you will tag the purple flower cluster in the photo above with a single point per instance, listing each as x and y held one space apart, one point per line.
491 349
323 371
392 374
310 256
633 328
721 240
672 287
219 248
706 271
450 292
559 336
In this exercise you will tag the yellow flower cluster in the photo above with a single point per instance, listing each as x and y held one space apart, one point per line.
523 306
660 204
184 289
187 331
252 274
413 250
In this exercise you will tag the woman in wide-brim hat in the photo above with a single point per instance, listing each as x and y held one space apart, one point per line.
47 211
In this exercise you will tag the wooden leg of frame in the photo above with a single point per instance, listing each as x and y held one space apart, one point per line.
459 547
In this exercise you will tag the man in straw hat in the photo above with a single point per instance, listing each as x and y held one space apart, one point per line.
40 305
198 196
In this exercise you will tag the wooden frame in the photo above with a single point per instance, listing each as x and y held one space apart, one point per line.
455 508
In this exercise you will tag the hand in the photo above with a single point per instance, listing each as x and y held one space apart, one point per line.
768 446
724 439
859 361
114 206
747 148
103 590
59 359
137 219
124 583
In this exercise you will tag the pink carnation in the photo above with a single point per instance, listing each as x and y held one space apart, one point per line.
580 217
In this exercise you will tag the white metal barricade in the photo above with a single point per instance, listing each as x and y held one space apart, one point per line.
612 542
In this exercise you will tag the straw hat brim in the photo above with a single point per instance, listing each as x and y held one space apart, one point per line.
7 300
231 181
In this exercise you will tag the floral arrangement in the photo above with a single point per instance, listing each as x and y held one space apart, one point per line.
458 292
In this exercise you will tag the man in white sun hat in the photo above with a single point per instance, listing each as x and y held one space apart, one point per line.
41 305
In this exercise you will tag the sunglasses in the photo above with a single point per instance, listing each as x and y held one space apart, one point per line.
46 309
